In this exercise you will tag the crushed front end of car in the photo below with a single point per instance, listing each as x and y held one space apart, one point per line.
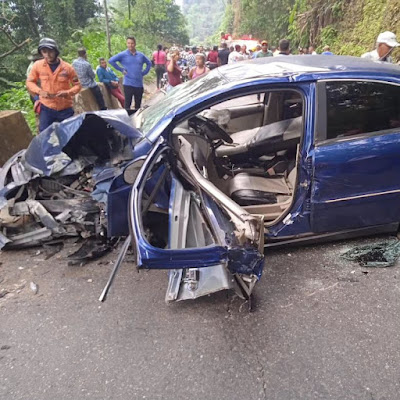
58 186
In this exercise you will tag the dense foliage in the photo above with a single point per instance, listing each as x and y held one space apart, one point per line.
204 19
348 26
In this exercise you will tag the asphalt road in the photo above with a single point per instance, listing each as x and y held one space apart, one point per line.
323 328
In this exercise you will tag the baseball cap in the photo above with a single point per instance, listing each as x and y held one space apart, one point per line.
388 38
264 42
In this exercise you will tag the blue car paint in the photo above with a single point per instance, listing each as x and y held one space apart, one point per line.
238 258
148 256
45 152
301 220
349 180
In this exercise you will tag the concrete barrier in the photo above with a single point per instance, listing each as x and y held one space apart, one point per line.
15 134
85 101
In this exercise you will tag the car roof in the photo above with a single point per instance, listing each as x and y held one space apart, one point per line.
305 65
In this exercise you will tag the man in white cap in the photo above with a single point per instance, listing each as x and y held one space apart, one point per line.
385 44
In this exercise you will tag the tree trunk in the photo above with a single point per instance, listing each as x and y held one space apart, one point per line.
107 29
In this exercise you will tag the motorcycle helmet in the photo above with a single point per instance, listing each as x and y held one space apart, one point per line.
47 43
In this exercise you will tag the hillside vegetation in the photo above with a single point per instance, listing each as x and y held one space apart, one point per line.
348 26
203 18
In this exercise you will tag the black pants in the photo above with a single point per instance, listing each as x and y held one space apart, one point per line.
132 91
99 97
160 69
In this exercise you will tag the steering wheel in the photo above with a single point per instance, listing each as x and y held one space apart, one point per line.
209 128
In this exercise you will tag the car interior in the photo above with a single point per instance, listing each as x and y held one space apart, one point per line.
247 147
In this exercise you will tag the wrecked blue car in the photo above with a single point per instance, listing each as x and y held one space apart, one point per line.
256 154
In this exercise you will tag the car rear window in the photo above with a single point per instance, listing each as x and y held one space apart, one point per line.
361 107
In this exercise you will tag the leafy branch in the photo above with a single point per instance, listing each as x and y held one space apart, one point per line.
5 23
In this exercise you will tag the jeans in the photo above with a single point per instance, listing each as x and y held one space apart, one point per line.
47 116
99 97
132 91
160 69
116 92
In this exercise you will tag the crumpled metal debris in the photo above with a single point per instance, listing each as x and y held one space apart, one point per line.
378 255
58 187
91 249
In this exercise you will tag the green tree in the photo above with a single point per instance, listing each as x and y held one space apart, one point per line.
204 18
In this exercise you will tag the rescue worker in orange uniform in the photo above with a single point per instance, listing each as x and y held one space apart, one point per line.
58 84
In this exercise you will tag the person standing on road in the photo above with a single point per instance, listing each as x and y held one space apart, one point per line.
58 84
159 59
311 51
284 47
35 56
200 68
244 53
202 51
212 57
174 72
235 55
385 44
327 51
87 76
257 50
130 62
108 77
223 55
191 59
264 50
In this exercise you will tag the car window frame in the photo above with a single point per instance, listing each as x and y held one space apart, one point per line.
256 103
320 130
219 98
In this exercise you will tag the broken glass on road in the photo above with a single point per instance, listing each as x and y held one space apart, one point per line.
379 255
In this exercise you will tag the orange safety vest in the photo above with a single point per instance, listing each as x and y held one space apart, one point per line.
63 78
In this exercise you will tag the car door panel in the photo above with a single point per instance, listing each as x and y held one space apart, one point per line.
356 179
200 236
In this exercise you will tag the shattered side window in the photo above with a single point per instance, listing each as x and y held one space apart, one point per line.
361 107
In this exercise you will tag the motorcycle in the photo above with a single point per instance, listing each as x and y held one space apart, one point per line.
164 82
185 73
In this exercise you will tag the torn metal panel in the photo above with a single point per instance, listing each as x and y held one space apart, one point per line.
98 134
30 238
187 229
250 226
4 171
3 240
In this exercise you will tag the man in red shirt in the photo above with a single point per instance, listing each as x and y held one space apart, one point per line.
212 58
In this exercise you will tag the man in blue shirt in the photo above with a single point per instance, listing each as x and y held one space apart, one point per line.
327 51
130 62
86 76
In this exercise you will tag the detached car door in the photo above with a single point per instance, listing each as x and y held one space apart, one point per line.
179 221
356 161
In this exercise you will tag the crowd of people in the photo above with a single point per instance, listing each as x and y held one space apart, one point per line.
52 82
